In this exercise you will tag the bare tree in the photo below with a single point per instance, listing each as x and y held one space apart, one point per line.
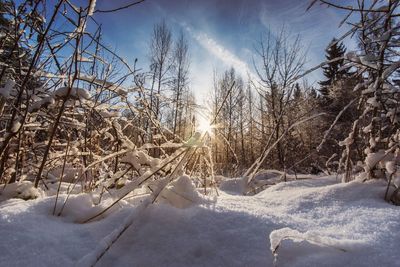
180 70
226 100
278 64
160 52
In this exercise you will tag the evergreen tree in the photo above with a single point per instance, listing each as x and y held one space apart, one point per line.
332 70
336 91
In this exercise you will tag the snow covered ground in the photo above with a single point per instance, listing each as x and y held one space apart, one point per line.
345 225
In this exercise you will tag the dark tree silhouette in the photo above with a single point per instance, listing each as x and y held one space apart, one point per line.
333 71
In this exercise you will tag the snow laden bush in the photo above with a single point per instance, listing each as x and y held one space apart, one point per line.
84 121
375 134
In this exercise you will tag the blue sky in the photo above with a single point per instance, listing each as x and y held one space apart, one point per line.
221 33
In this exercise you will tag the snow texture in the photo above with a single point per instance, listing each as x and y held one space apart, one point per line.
327 224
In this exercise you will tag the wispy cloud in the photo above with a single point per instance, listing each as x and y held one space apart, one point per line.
220 52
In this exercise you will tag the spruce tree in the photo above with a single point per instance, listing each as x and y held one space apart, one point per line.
332 70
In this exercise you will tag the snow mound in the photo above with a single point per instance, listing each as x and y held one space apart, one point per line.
234 186
24 190
181 193
277 236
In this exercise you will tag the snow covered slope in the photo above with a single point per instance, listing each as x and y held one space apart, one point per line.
348 224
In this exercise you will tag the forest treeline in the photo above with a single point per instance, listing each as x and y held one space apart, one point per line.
72 108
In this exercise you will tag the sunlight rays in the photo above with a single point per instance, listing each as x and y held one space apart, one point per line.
204 126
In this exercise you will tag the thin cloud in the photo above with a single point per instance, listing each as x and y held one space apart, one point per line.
220 52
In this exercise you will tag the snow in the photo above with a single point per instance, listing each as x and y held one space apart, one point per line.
396 181
373 158
103 83
390 166
315 222
352 56
139 158
8 87
233 185
368 128
385 159
277 236
389 70
70 172
373 102
367 61
346 142
73 92
42 102
110 114
15 127
22 190
92 7
84 59
181 193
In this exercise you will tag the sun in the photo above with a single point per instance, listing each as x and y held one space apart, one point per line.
204 126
